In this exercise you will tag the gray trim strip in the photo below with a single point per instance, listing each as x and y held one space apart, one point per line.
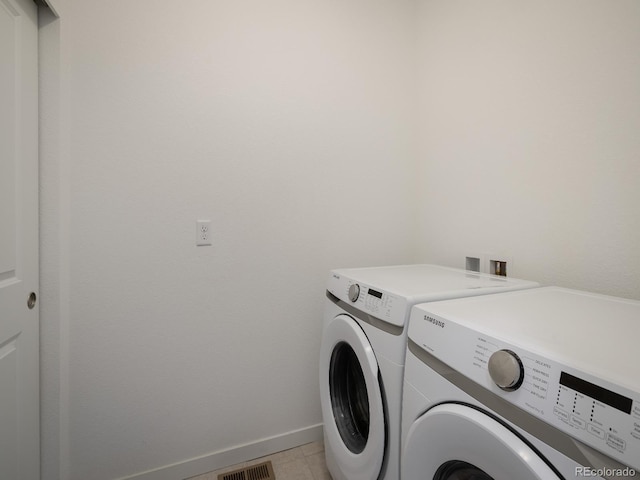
365 317
555 438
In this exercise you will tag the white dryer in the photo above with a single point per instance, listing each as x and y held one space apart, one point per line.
542 384
362 358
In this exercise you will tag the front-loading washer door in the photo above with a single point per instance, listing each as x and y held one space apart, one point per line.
457 442
351 399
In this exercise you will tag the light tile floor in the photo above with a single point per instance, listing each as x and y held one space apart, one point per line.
301 463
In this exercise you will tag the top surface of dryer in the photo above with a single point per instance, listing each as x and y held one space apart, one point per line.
578 361
389 292
429 281
594 332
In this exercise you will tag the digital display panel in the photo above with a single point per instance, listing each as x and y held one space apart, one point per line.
375 293
600 394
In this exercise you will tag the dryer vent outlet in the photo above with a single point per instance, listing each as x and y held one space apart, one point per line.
261 471
472 264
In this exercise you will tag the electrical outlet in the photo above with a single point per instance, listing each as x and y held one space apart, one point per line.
203 232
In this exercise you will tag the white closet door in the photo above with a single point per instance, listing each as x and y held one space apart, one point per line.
19 343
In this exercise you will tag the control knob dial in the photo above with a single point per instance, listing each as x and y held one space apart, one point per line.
354 292
506 370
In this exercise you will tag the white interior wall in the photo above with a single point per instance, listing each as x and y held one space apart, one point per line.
529 138
288 124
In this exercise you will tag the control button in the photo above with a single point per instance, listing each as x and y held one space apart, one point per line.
506 370
561 413
616 442
354 292
593 430
577 422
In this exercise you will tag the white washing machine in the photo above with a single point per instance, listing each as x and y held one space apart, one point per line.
362 358
541 384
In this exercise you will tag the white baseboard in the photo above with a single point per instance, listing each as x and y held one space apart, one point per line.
232 456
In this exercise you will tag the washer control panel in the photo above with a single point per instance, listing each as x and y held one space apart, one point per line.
369 299
599 413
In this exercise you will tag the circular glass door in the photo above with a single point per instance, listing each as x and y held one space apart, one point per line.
458 442
349 397
351 400
459 470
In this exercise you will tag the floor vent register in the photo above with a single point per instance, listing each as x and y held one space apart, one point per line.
261 471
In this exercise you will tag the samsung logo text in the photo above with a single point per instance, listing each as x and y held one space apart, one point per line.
437 323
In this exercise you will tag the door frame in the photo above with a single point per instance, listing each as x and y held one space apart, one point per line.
54 255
